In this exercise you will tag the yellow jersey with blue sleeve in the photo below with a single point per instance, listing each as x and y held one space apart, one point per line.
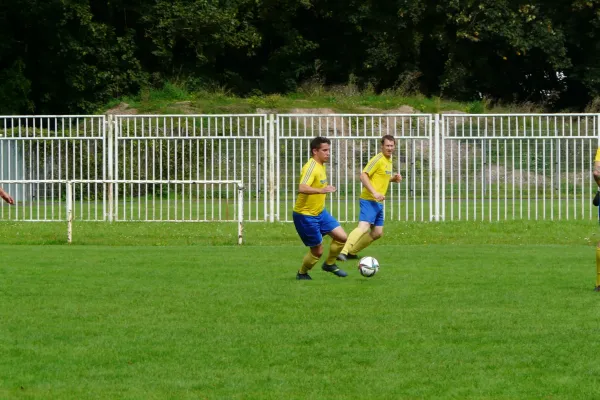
314 175
597 158
379 169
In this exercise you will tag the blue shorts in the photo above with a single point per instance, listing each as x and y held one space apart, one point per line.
311 229
371 212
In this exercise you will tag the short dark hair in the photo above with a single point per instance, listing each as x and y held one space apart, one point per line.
388 137
316 143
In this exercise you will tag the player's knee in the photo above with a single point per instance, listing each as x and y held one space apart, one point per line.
317 251
364 227
377 235
598 245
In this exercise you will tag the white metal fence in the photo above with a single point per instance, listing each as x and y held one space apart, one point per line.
52 148
519 166
455 166
189 147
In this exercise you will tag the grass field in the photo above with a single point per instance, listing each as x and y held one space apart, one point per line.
177 311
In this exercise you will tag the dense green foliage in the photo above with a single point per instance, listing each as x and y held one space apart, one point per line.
60 56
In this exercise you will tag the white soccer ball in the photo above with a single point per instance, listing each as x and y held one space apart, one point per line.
368 266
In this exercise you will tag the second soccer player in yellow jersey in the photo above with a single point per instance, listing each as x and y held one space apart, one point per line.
375 177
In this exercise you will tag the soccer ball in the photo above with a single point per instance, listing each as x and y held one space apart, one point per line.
368 266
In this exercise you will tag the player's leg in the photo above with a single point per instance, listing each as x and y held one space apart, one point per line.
309 261
367 217
597 289
330 226
348 251
338 239
376 229
308 230
366 240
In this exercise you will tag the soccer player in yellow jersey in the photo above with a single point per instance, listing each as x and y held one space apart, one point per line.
375 177
596 201
311 219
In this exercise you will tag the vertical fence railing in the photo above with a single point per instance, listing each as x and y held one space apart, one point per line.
518 166
189 147
355 138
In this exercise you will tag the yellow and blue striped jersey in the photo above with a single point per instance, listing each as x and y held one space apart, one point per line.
379 169
313 174
597 158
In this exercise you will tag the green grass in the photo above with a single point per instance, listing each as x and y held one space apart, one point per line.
412 209
116 234
151 311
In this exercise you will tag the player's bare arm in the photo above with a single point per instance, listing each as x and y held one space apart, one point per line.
6 197
397 178
366 181
305 189
596 172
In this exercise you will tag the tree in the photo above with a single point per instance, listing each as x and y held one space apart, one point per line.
73 63
504 50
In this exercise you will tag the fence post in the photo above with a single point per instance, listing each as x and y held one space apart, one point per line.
443 168
110 166
437 156
69 211
240 188
271 167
